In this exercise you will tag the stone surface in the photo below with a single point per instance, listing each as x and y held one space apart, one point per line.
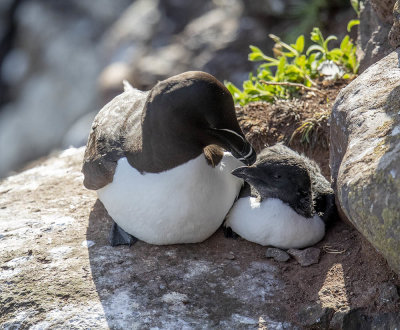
305 257
51 71
394 34
375 24
277 254
384 9
389 294
57 270
316 316
365 155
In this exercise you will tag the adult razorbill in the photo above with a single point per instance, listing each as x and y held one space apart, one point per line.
156 162
287 203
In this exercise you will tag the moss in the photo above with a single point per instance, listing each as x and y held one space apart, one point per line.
377 217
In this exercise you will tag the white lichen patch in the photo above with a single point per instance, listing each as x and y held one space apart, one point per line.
72 316
174 298
196 268
60 252
259 282
237 318
59 221
13 267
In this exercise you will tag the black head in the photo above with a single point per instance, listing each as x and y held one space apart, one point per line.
195 110
280 177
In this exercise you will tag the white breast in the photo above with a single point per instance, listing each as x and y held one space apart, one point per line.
186 204
275 223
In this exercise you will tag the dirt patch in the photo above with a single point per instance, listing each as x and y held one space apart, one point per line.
265 124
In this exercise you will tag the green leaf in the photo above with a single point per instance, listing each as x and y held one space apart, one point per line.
356 6
317 37
300 44
345 43
292 65
336 54
352 23
255 49
317 48
327 41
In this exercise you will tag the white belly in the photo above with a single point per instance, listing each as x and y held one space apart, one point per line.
186 204
275 223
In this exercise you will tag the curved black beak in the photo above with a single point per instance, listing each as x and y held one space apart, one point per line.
236 144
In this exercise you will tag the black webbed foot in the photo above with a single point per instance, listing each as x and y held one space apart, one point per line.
229 233
119 237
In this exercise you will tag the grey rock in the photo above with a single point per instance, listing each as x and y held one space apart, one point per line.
336 323
15 67
305 257
69 282
365 155
52 74
388 295
277 254
216 42
394 34
315 316
359 319
384 9
373 42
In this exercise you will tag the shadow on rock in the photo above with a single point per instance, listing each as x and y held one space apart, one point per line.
230 283
219 282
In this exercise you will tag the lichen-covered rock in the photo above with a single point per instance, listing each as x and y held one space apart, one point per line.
365 155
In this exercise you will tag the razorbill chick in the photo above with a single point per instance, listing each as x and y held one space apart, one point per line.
287 203
156 162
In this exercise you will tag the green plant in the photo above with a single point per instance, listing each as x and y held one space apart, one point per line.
356 6
291 63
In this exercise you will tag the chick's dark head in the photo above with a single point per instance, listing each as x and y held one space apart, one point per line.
283 177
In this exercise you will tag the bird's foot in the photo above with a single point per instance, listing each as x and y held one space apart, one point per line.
229 233
119 237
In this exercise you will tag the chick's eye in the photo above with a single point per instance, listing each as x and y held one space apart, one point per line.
276 176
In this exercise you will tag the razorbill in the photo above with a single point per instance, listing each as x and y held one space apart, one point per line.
155 159
287 202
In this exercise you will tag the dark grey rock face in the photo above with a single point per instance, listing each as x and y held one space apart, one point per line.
365 155
394 34
376 20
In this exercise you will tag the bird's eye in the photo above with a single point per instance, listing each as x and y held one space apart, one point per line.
276 176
